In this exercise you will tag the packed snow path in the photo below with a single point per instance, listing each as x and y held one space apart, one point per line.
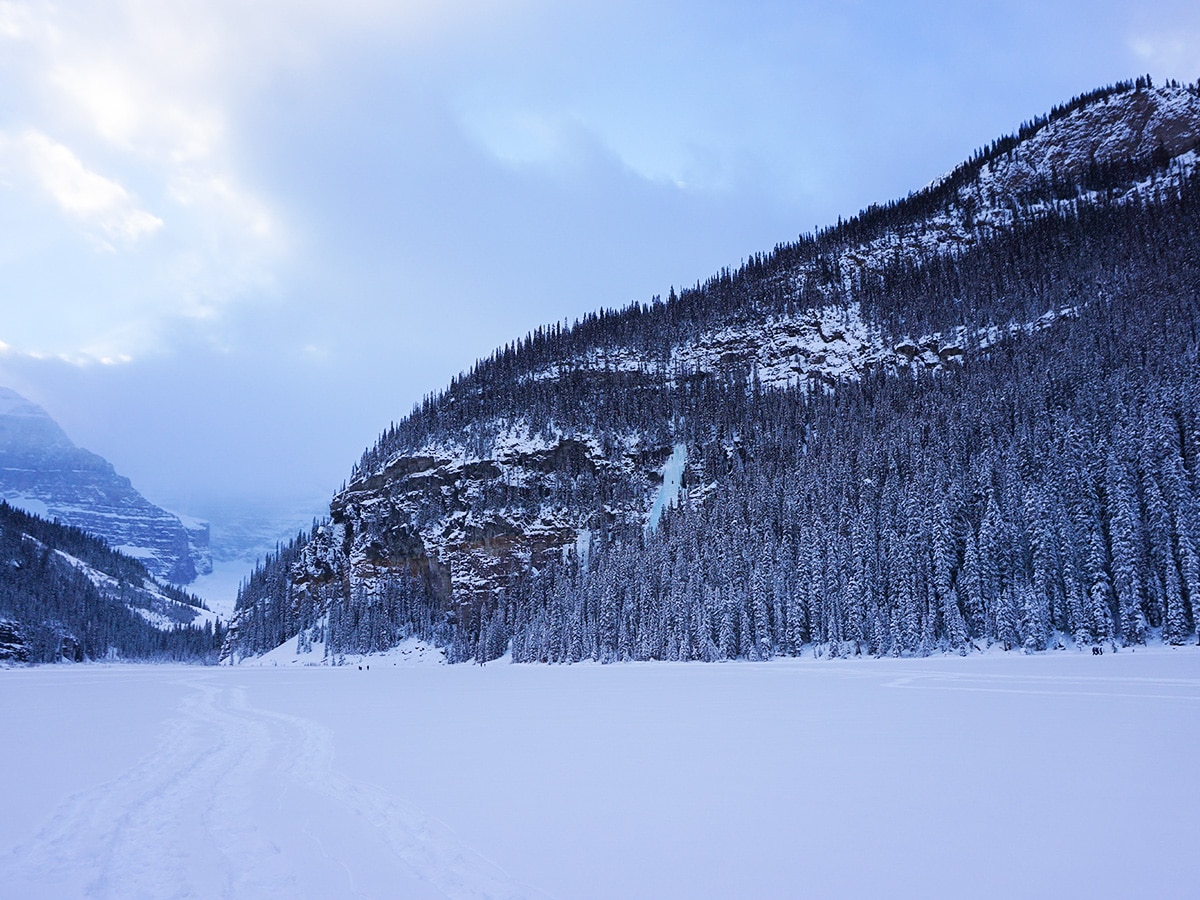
997 775
237 801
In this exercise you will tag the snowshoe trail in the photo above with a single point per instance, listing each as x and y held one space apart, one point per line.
237 801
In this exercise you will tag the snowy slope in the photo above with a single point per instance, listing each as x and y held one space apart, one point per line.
409 652
147 600
67 596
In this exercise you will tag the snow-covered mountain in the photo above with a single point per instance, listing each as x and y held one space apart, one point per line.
43 472
958 418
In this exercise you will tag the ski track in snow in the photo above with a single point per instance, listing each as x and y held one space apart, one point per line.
224 807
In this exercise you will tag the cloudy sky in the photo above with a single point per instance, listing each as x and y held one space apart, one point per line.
236 239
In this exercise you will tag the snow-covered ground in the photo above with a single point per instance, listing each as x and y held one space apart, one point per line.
1060 774
409 652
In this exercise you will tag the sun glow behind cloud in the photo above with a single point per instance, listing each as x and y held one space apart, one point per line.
122 138
133 122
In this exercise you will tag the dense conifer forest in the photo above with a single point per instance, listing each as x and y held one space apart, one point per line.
1043 491
67 595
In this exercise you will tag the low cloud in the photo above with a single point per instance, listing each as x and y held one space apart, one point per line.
87 197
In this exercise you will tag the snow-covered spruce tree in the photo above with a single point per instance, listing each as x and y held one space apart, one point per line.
1127 543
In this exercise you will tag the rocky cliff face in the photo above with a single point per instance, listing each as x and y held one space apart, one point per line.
13 645
478 516
539 453
43 472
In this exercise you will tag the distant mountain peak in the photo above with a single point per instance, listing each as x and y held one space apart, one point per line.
25 425
13 404
43 472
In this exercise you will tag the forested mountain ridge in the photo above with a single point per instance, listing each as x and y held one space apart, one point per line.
968 417
67 595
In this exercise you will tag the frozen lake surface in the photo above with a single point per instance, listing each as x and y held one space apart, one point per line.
1004 775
